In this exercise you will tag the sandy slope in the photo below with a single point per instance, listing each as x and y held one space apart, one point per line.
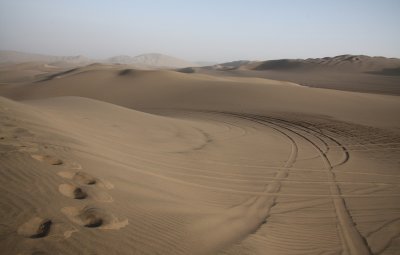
217 165
348 81
142 89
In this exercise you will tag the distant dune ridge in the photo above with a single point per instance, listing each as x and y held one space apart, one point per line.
9 57
348 63
144 60
106 158
344 72
151 60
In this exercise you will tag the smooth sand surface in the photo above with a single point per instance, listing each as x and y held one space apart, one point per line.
109 160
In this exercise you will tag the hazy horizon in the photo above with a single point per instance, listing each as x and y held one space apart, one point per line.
202 31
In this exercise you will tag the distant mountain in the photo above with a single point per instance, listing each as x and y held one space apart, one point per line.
206 63
349 63
121 59
342 63
15 57
144 60
231 65
151 60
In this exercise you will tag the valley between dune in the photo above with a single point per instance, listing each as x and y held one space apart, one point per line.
105 160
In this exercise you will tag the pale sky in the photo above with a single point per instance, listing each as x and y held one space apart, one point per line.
206 30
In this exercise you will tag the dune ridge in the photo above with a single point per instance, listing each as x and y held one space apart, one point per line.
345 72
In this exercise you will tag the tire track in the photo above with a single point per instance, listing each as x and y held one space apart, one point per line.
353 240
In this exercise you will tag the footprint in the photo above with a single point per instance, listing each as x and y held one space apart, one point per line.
84 178
72 191
47 159
105 184
76 166
92 217
66 174
36 227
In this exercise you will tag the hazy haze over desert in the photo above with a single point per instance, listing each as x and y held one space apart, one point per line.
200 127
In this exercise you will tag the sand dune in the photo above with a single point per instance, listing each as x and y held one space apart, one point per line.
346 63
108 160
25 72
142 89
345 72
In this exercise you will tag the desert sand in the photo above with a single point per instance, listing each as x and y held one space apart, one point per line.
107 159
345 72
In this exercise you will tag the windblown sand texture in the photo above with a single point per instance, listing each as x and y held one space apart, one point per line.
106 159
